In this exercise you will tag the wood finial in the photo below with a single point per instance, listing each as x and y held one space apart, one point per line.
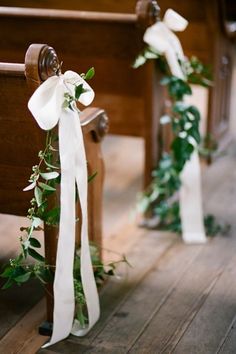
99 120
148 12
103 126
41 62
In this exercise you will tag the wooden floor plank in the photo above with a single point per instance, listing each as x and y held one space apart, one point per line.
143 257
186 299
171 302
20 338
211 322
131 317
16 302
228 345
124 161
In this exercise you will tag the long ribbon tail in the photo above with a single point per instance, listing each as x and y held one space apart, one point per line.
191 212
173 63
64 303
87 275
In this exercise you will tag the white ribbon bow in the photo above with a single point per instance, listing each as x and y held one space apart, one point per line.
161 38
46 105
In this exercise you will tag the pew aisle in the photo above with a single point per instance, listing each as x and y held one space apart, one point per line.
174 299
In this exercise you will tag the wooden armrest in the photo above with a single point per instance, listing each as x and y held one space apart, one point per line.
95 121
147 12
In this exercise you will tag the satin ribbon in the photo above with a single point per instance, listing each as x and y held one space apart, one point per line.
46 105
161 38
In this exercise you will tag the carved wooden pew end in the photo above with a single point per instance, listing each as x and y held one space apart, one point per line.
21 139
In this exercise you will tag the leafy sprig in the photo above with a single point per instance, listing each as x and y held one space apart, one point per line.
160 201
44 181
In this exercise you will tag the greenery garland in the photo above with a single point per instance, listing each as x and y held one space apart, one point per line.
44 180
160 200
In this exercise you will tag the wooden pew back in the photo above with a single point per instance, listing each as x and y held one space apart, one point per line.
122 6
206 37
20 139
109 42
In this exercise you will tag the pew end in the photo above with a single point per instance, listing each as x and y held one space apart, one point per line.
21 140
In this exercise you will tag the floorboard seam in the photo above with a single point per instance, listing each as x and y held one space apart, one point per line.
226 335
170 347
165 298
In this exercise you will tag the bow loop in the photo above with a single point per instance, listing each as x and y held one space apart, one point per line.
47 101
161 38
72 79
174 21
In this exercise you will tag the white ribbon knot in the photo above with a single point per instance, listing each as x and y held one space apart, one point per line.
161 38
46 105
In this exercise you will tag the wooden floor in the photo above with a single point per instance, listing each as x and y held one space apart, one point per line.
174 299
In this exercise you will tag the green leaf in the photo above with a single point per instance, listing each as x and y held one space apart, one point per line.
78 91
46 187
90 73
50 165
29 187
23 278
139 61
7 272
90 178
35 255
143 204
34 242
44 275
38 195
150 54
49 175
80 316
8 284
65 104
36 222
52 217
165 81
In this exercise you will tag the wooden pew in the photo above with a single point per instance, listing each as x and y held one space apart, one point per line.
109 42
21 139
210 23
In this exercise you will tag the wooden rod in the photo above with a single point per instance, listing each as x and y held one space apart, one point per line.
67 14
12 69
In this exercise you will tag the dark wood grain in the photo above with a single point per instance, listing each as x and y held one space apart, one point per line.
109 42
207 37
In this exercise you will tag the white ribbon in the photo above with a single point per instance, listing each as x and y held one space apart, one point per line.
161 38
46 105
